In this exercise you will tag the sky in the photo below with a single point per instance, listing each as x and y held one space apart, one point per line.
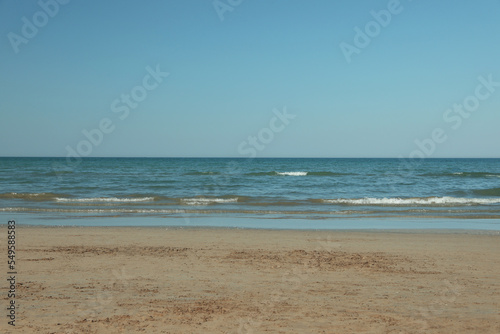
250 78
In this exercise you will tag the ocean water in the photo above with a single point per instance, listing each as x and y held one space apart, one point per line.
182 189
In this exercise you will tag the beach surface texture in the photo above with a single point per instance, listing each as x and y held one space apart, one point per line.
218 280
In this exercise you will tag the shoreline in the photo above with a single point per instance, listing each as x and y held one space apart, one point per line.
450 231
267 223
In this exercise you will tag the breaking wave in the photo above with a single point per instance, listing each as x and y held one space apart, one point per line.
30 196
297 173
418 201
104 199
207 201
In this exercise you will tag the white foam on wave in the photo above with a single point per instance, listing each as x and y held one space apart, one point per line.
206 201
25 195
105 199
483 174
149 211
292 173
443 201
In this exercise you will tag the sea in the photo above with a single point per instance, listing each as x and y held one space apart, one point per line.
295 193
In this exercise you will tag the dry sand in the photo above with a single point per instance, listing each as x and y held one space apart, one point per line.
157 280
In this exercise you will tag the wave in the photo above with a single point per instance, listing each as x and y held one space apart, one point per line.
476 174
417 201
297 173
30 196
63 198
208 201
292 173
328 174
106 211
262 174
104 199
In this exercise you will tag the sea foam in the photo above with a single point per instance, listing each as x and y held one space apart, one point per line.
433 201
207 201
292 173
105 199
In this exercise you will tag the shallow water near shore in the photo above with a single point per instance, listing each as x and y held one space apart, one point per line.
489 226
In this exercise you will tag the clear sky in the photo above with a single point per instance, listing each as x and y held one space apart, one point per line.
358 82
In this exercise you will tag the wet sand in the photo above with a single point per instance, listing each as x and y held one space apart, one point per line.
211 280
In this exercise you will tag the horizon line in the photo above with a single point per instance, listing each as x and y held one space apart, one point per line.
239 157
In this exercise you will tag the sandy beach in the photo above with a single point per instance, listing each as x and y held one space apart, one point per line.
193 280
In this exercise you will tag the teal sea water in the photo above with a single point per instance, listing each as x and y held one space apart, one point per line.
335 191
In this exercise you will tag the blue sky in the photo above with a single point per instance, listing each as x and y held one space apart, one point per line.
226 76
